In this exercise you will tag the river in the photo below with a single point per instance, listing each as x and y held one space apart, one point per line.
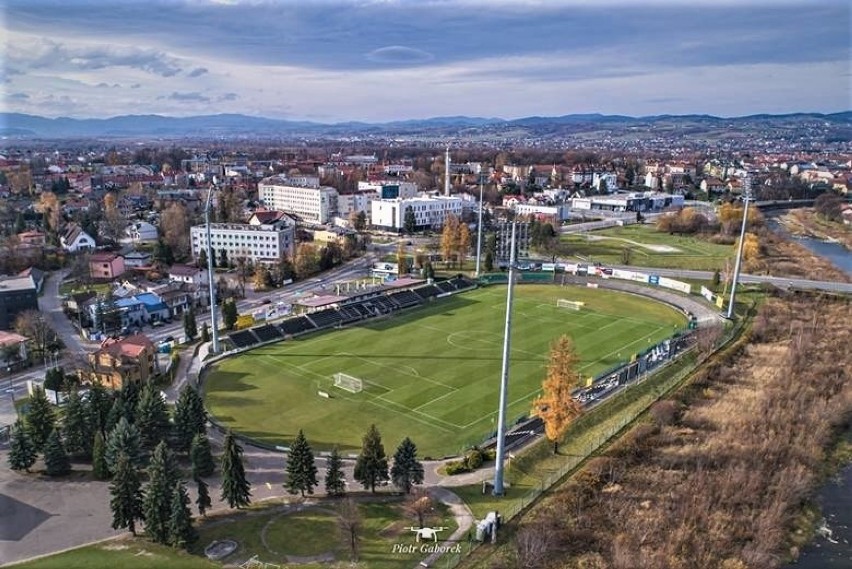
831 548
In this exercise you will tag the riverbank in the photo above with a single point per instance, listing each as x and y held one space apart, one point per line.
805 222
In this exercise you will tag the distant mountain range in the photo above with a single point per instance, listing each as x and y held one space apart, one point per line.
235 125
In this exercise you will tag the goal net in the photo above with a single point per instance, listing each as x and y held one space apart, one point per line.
570 304
348 383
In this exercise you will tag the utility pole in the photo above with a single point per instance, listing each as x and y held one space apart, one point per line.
504 376
210 280
479 228
746 197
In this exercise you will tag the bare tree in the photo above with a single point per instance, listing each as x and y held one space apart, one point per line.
31 323
419 506
174 225
534 543
349 523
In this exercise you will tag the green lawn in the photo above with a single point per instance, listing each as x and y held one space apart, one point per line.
432 373
71 287
124 554
647 248
272 535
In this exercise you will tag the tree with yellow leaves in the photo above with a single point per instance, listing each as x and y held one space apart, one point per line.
555 405
751 247
450 238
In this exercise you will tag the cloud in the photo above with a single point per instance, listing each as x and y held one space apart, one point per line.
228 97
399 55
194 97
197 72
18 96
135 85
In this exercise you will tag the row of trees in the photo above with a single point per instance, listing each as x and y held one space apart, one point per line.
455 240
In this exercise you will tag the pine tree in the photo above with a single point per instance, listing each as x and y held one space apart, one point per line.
205 333
131 392
98 404
371 468
40 419
181 532
117 412
22 454
236 490
190 417
55 458
124 438
301 470
407 470
190 327
76 427
162 477
100 470
334 480
126 495
203 501
152 417
201 456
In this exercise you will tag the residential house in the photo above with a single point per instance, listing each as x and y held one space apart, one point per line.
140 232
712 185
75 240
34 238
137 259
177 300
17 294
188 274
118 362
13 351
156 309
106 266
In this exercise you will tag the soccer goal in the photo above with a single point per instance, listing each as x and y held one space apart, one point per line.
571 304
348 383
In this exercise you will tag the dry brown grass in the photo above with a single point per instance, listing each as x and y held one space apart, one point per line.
717 478
784 258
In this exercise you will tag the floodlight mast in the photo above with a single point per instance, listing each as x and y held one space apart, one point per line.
479 228
210 280
746 198
504 376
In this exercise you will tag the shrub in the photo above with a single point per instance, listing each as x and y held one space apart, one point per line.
456 467
473 460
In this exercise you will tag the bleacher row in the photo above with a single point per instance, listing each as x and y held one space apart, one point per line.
347 313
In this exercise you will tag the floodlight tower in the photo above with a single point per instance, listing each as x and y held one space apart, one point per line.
447 172
504 376
746 198
210 280
479 228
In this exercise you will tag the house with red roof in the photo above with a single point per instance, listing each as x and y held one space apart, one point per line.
118 361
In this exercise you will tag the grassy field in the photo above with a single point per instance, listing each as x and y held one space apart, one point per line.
272 536
649 248
433 373
125 554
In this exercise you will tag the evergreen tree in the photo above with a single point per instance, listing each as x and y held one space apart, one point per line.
22 453
334 480
229 314
201 456
190 417
152 416
301 470
203 501
162 477
205 333
56 460
131 392
236 490
407 470
40 419
126 495
98 405
117 412
190 327
76 427
124 438
181 532
100 470
371 468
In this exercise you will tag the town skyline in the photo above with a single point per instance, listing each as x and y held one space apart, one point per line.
340 61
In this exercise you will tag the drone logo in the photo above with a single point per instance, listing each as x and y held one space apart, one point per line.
427 534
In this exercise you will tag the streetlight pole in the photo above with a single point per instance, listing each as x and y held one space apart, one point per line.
479 228
504 377
739 253
210 280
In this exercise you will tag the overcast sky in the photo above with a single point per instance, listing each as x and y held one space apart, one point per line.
382 60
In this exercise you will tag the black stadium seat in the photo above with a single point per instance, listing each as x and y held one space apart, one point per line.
244 339
267 333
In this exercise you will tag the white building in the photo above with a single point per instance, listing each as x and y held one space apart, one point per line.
140 232
429 212
312 203
75 240
389 189
558 212
264 243
609 179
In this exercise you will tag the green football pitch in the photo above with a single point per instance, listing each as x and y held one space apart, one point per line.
432 373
